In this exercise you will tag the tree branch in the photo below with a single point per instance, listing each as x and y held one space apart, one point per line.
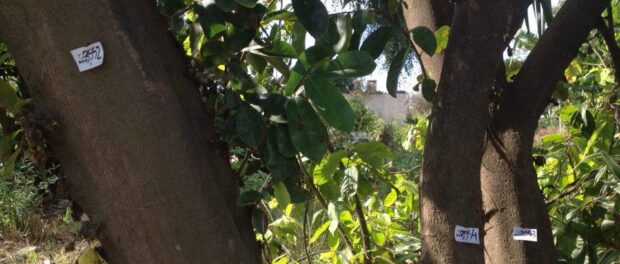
545 65
364 228
607 31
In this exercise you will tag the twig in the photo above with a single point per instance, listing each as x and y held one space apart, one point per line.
571 188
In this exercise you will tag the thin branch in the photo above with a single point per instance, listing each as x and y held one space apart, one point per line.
364 230
608 34
572 188
306 235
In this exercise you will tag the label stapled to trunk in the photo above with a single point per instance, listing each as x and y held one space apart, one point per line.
525 234
88 57
469 235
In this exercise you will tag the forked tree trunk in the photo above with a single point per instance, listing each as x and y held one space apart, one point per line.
450 185
509 182
140 153
506 178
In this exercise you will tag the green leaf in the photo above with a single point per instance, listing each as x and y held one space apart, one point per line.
258 63
394 71
378 238
298 35
390 198
238 38
330 103
284 259
313 15
279 65
8 96
611 164
211 19
247 3
9 164
428 89
319 231
306 129
323 172
281 48
333 217
250 126
285 146
338 34
352 64
249 197
349 182
281 194
375 42
259 220
425 39
442 35
374 153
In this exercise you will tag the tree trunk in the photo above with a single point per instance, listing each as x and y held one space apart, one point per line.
450 185
510 188
140 154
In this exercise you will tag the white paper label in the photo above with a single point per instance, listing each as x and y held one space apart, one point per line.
88 57
467 234
526 234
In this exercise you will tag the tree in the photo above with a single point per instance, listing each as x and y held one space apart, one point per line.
140 153
136 141
478 168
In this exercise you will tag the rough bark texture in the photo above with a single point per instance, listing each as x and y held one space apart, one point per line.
140 153
450 186
511 193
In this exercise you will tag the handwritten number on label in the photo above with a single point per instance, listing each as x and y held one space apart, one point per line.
88 57
525 234
469 235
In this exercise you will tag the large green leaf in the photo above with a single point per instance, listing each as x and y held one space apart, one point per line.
250 126
307 131
338 33
313 15
249 197
8 96
323 172
210 18
352 64
374 153
425 39
428 89
330 103
283 142
298 36
394 71
281 194
377 40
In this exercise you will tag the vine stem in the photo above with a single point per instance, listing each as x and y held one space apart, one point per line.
318 195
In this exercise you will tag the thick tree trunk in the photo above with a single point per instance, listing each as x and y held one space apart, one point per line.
140 153
511 193
450 186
